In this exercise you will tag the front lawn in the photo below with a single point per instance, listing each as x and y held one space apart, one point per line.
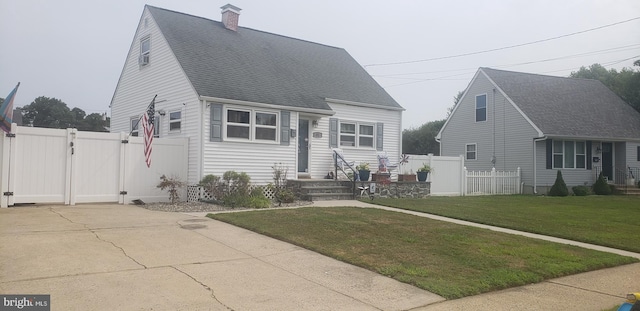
444 258
612 221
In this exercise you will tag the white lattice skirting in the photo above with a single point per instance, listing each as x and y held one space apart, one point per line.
197 193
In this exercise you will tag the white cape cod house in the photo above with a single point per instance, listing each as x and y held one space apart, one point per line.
247 99
543 124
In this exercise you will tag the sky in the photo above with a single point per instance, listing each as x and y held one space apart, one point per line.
74 50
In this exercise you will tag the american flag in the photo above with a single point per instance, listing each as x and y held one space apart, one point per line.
147 126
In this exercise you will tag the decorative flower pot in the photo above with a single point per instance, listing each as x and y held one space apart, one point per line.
364 175
422 176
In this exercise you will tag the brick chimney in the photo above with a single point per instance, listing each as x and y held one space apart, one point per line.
230 16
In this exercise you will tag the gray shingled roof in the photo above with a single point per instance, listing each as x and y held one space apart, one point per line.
569 107
256 66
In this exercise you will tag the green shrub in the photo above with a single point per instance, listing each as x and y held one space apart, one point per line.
559 188
580 191
601 187
232 190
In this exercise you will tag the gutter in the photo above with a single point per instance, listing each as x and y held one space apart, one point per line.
535 162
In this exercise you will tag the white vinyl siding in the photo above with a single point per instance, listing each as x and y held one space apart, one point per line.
136 88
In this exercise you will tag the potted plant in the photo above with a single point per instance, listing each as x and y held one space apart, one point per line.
363 171
423 172
404 176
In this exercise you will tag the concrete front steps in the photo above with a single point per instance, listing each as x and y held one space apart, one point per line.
321 189
628 190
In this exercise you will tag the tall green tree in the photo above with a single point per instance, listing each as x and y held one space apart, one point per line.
47 112
625 83
423 139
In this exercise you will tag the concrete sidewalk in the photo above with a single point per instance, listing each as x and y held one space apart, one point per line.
114 257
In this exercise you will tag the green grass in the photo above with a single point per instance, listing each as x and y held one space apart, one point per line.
444 258
612 221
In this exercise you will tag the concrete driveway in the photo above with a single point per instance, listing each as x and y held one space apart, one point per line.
114 257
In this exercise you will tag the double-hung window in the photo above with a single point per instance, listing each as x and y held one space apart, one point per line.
135 125
471 151
145 51
481 108
355 134
569 154
175 121
252 125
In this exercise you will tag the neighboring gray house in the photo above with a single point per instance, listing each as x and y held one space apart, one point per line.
248 99
543 124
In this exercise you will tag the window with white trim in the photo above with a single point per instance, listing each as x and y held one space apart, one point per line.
355 134
156 126
471 151
145 51
134 125
252 125
569 154
175 121
481 107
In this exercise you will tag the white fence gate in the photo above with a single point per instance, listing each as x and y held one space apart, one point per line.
447 173
66 166
450 177
492 182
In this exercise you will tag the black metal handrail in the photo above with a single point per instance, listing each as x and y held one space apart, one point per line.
336 155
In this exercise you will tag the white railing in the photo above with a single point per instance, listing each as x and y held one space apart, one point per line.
492 182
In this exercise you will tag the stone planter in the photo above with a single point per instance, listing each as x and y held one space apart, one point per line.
406 177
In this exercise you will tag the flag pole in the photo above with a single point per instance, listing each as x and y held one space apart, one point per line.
140 118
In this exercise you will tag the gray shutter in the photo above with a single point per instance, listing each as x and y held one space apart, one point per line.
589 163
333 133
285 126
216 122
379 136
549 154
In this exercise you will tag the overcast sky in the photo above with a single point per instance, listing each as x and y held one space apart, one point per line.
74 50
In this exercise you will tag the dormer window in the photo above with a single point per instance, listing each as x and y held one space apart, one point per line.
145 51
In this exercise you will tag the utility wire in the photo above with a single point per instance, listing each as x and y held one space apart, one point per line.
502 48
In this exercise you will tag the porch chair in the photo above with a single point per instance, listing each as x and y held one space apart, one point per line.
384 164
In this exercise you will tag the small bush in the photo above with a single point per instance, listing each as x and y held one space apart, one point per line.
559 188
172 183
601 187
580 191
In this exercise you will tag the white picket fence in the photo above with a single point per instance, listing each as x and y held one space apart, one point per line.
66 166
492 182
449 177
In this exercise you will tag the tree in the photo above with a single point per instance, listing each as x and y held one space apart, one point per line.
94 122
422 140
47 112
559 188
625 83
456 99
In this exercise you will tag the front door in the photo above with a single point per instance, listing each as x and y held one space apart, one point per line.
303 146
607 160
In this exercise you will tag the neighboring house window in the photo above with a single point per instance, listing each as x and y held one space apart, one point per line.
175 121
145 51
156 126
481 108
638 154
569 154
134 125
252 125
471 151
354 134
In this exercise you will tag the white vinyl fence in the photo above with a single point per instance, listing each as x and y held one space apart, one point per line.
449 177
492 182
66 166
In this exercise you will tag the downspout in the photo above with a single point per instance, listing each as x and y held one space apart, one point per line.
535 164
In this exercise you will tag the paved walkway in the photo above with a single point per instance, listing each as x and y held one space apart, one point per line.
114 257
